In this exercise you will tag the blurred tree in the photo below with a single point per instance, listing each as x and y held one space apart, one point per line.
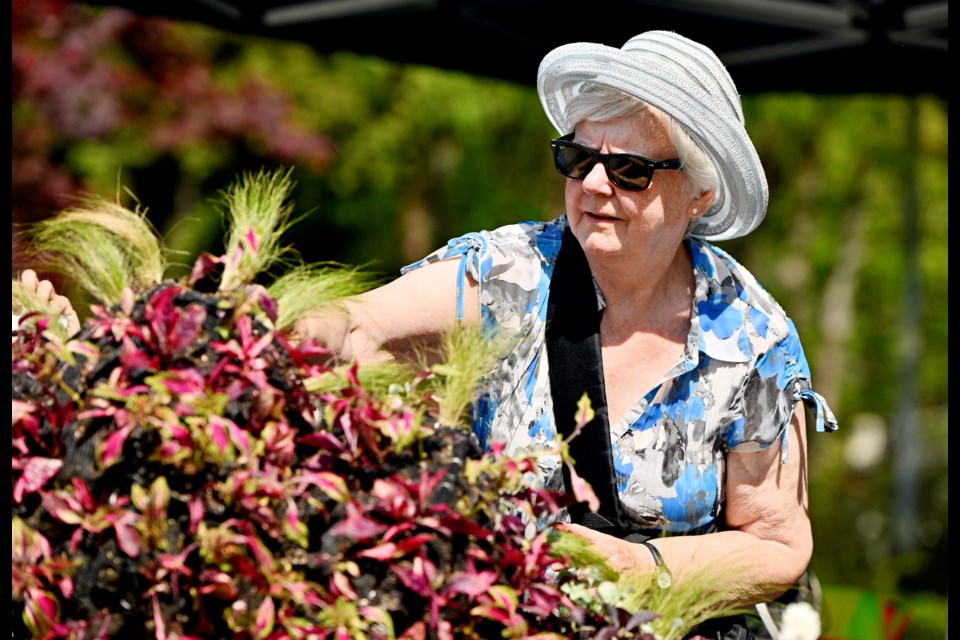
100 92
180 109
423 154
854 247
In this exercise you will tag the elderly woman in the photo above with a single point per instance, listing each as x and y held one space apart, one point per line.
698 448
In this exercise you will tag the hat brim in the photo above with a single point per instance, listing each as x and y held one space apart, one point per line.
654 77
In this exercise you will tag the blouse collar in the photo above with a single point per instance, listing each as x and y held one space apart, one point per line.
721 318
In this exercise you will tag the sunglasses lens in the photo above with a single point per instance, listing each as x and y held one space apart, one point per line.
629 173
573 162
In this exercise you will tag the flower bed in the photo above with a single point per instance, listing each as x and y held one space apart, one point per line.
182 470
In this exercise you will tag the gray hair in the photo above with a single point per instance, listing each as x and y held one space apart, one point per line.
602 103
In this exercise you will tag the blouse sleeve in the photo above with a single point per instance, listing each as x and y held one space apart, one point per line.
509 266
471 249
766 401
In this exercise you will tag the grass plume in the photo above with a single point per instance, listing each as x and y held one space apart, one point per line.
378 378
468 354
102 246
306 288
256 214
678 608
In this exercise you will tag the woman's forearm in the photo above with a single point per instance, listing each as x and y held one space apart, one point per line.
739 567
744 568
397 321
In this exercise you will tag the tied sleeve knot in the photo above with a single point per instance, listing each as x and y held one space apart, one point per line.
825 420
818 404
471 248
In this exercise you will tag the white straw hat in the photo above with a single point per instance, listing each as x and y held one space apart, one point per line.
687 81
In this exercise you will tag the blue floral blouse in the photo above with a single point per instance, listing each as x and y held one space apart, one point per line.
735 387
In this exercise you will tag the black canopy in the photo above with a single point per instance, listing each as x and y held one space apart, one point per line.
818 46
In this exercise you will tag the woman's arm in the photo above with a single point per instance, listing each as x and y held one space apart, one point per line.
768 501
392 321
769 544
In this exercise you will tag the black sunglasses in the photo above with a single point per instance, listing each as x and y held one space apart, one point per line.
625 170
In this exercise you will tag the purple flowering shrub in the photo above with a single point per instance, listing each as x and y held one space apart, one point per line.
177 473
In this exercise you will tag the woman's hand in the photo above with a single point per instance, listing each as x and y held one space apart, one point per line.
45 291
620 555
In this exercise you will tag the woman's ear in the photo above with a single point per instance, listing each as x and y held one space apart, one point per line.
702 202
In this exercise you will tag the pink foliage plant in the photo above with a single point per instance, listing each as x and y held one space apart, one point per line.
176 475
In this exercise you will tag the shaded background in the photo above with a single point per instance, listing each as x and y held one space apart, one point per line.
842 46
405 129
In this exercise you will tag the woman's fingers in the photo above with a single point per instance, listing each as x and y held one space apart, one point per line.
590 535
43 288
60 304
45 291
29 278
63 305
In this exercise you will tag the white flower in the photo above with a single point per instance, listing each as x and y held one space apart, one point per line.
800 622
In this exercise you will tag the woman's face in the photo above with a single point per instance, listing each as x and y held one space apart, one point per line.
613 222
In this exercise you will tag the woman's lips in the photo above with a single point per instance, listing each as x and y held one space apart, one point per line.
600 217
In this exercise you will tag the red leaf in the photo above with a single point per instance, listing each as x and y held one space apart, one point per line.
582 490
36 472
203 266
41 610
356 526
330 483
110 448
60 508
381 552
196 509
415 542
82 493
218 584
185 381
471 584
492 613
127 539
322 440
132 357
217 428
269 306
186 327
23 414
266 615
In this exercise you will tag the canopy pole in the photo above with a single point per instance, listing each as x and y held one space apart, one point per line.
906 436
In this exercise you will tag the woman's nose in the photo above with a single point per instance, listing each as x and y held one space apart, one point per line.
597 181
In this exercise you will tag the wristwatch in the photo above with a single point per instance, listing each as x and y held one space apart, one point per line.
664 577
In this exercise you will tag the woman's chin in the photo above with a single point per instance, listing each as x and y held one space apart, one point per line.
601 244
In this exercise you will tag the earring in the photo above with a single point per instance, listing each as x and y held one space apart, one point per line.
696 211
